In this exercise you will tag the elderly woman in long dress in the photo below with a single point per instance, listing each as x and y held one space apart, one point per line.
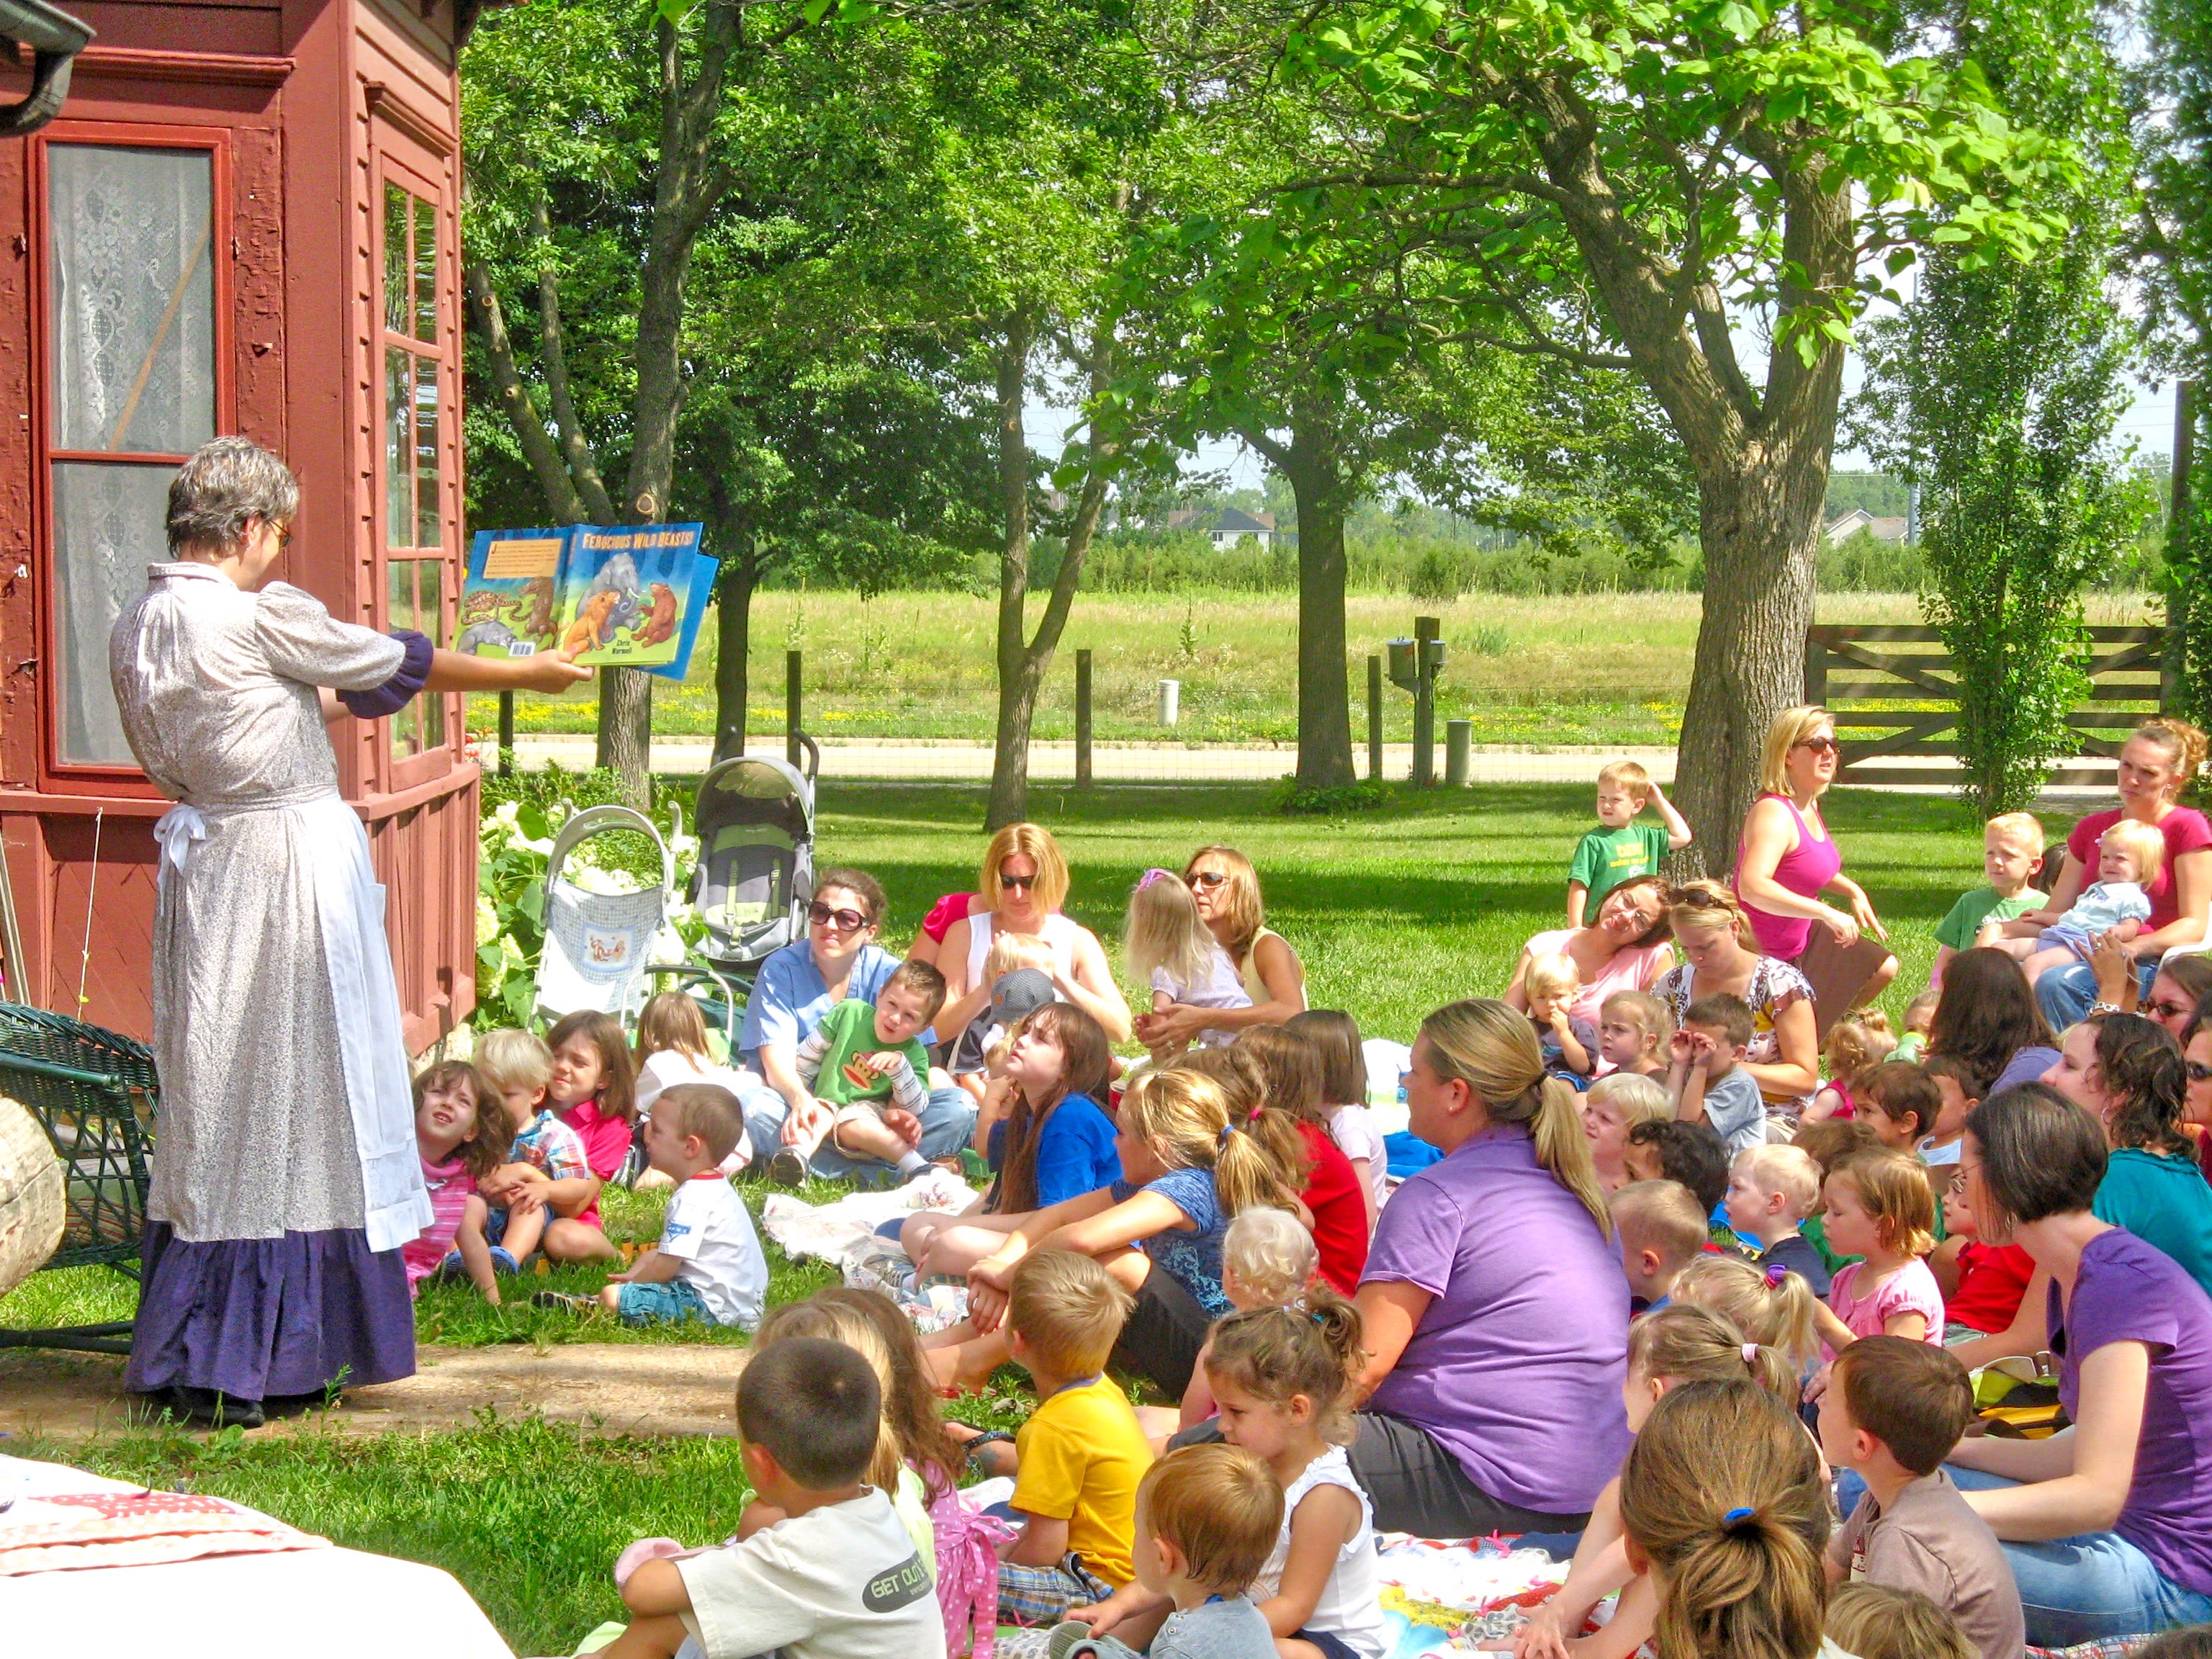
285 1171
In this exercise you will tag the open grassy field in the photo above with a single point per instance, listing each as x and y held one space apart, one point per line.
1600 668
1394 912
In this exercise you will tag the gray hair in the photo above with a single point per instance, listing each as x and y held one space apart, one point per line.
226 483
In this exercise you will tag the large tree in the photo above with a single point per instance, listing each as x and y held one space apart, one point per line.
1668 188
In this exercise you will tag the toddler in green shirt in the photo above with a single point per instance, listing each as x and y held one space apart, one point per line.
1622 846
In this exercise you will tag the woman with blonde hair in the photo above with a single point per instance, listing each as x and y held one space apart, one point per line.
1227 889
1711 930
1786 860
1495 1314
1024 877
2159 761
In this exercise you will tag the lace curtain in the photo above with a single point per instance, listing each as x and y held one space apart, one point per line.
134 372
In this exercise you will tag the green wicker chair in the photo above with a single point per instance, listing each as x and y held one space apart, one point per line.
95 1093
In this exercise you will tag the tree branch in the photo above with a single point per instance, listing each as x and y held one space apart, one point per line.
575 448
490 324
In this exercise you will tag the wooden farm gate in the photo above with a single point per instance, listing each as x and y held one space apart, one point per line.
1892 692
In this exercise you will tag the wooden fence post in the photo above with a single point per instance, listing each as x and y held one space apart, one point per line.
506 734
792 661
1816 667
1374 718
1083 720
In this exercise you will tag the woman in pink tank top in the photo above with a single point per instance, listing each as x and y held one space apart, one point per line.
1787 859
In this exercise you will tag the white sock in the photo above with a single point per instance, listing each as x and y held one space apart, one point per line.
912 1162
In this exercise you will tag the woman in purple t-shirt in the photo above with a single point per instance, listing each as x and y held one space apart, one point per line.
1494 1306
2156 764
2108 1524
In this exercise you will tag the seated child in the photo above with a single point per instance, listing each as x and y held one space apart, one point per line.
1569 1042
1661 1227
593 1086
547 1174
838 1575
1982 1284
1624 846
869 1075
1872 1621
1678 1344
1206 1517
2012 853
1082 1452
1858 1040
1171 948
1772 1306
1879 1209
1960 1087
1665 1149
672 1047
1268 1260
1019 970
1899 1102
1272 1067
1615 1104
461 1135
708 1263
2130 855
1892 1411
1919 1020
1772 1189
1705 1078
1632 1030
1826 1144
1335 1037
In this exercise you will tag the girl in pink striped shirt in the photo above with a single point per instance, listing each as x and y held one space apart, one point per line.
460 1143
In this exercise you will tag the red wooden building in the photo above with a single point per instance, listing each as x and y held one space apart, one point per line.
244 220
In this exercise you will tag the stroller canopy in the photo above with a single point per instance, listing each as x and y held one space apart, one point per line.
755 821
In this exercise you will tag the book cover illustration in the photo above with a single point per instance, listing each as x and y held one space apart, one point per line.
630 596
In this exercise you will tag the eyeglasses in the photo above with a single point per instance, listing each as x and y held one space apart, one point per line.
845 922
1023 883
1209 879
2167 1011
2198 1071
1817 746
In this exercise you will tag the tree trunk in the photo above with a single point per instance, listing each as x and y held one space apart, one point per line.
1317 480
1017 674
1759 527
733 628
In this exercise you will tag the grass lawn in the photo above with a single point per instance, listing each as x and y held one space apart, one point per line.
1394 912
1595 669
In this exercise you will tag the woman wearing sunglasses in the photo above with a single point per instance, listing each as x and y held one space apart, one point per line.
838 959
1226 888
1024 878
1786 860
2155 765
2196 1061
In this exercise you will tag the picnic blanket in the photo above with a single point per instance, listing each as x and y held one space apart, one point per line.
74 1530
826 1232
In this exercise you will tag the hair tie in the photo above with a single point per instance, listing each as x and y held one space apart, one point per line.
1775 1272
1737 1517
1751 1355
1153 875
1227 1130
1254 1118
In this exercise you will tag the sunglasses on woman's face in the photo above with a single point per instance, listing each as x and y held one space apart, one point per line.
1209 879
846 921
1818 746
2167 1011
1023 883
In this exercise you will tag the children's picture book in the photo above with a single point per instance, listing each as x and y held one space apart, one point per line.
627 596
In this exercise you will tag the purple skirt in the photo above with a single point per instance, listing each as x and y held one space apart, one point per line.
257 1317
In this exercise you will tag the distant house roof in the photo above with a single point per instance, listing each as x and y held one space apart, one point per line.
1228 523
1858 519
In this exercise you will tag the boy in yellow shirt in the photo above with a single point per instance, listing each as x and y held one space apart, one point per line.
1082 1452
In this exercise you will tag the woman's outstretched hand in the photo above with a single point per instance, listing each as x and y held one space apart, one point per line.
550 671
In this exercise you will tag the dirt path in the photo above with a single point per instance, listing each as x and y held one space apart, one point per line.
622 1389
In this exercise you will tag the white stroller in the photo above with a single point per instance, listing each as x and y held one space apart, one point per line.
599 945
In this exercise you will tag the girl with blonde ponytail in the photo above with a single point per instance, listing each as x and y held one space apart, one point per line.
1724 1504
1191 1161
1495 1313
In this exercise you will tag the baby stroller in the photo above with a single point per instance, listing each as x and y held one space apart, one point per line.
598 945
755 821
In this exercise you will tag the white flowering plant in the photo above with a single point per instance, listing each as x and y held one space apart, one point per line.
514 848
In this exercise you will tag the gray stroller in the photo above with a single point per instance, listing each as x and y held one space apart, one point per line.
755 822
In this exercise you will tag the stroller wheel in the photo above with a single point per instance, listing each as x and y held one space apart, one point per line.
786 1168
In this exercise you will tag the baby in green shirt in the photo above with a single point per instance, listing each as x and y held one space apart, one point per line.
869 1076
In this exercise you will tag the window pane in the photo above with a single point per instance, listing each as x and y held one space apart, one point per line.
428 528
426 272
398 448
134 298
108 527
400 612
397 303
430 610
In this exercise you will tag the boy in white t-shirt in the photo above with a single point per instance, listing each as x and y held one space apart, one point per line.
838 1577
708 1263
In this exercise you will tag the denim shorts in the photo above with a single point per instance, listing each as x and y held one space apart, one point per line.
662 1304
